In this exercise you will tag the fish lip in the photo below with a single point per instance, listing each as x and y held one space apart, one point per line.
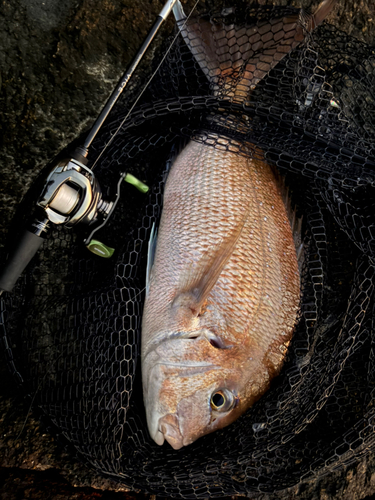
188 365
169 427
159 437
189 369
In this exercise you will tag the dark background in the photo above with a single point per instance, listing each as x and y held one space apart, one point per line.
59 61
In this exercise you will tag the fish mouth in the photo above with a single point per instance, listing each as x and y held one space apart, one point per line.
188 365
183 368
165 427
159 437
193 367
169 430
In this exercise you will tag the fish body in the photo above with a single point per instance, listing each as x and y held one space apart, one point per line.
224 288
223 295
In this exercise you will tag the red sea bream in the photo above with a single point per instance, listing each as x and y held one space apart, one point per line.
224 289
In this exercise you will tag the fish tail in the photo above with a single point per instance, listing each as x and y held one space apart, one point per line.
235 58
311 21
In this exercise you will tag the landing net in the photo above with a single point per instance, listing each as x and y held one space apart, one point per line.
71 327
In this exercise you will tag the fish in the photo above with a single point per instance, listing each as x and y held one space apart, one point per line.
223 286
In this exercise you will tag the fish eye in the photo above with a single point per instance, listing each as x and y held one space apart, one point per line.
222 400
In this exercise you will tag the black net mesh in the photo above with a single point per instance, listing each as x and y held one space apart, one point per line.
71 328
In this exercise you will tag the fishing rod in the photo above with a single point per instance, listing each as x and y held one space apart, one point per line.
71 194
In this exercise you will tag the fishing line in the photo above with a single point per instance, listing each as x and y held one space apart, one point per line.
33 399
31 406
145 87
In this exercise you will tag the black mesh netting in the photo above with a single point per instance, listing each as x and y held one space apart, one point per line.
72 325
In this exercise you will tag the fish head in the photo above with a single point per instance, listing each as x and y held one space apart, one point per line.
192 388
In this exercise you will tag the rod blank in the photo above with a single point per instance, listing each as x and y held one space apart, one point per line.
126 77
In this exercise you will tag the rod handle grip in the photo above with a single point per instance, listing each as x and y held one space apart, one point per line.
26 247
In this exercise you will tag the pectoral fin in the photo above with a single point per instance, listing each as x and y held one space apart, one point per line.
200 277
151 255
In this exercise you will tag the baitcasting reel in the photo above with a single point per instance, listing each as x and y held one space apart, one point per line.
72 195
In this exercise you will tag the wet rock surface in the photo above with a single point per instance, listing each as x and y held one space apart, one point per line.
59 61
